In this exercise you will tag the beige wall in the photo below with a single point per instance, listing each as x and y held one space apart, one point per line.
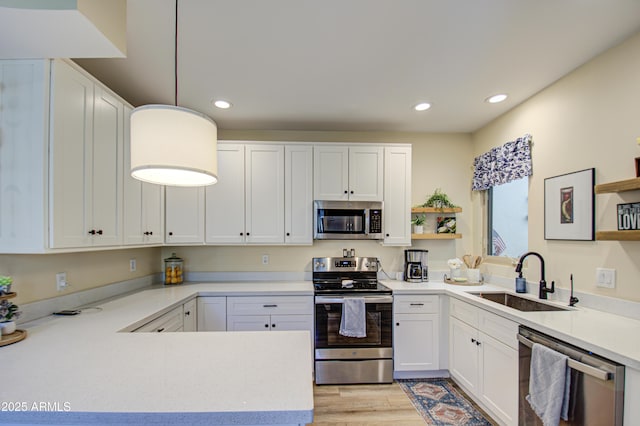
34 276
590 118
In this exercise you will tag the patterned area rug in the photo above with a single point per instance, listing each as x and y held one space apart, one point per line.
440 403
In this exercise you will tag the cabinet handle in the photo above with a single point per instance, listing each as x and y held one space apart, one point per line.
416 304
269 306
160 330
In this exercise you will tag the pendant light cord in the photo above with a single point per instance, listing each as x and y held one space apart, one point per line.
175 59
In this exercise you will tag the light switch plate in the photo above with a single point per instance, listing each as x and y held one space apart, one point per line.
605 278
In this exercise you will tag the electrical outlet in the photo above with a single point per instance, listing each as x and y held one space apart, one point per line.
132 265
265 259
605 278
61 281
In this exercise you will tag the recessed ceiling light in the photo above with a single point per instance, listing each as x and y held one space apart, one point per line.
222 104
422 106
496 98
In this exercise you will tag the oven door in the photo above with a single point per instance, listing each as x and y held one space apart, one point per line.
330 344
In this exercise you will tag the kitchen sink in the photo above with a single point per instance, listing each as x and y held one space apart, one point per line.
517 302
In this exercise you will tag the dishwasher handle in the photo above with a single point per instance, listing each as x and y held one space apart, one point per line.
576 365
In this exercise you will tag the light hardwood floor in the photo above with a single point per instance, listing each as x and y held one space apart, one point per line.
352 405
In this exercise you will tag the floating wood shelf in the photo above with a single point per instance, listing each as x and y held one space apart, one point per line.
435 236
620 186
618 235
436 210
8 296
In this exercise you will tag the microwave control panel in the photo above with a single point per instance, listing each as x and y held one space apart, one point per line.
375 221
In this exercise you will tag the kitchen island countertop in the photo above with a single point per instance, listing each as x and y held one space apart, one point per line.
83 370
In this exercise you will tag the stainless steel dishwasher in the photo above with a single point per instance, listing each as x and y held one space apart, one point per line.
597 384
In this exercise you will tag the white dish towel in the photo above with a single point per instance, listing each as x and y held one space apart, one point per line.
354 317
549 383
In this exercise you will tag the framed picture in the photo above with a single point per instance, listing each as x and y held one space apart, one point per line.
446 225
569 207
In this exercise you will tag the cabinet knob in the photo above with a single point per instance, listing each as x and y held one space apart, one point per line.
478 343
397 324
241 234
266 326
273 326
288 234
170 233
387 235
187 313
352 192
150 232
160 330
473 340
99 232
145 233
346 192
248 234
92 232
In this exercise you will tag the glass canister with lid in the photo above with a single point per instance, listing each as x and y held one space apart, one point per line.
173 270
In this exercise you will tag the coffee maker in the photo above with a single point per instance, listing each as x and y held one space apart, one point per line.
415 266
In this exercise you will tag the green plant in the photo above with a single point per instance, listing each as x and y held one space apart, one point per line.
438 200
419 220
8 311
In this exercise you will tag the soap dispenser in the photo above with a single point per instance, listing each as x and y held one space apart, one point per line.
521 284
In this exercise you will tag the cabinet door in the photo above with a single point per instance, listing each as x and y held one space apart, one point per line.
298 194
132 192
249 323
212 313
23 155
331 172
190 315
71 130
416 342
397 195
152 213
225 200
463 354
498 376
264 192
184 214
365 173
294 322
106 167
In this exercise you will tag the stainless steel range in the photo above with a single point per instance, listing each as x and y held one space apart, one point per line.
339 358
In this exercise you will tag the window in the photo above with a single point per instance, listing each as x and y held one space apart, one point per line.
508 219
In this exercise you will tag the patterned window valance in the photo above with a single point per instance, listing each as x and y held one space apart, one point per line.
503 164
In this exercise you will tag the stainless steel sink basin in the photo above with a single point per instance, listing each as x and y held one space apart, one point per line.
517 302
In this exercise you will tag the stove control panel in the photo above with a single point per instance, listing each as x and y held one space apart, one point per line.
344 264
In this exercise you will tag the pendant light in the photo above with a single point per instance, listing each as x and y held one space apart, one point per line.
171 145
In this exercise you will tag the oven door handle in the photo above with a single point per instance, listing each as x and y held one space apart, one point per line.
576 365
340 299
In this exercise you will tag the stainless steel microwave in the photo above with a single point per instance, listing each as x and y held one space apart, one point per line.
348 220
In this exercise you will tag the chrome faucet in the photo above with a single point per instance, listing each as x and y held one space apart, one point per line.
542 294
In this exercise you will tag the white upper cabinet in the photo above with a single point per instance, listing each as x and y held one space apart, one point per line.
298 194
247 205
348 172
225 200
143 202
184 215
397 195
67 133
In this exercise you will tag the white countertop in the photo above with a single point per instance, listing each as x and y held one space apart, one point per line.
81 370
610 336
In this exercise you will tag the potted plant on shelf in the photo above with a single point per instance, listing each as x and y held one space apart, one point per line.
5 284
8 314
439 200
418 224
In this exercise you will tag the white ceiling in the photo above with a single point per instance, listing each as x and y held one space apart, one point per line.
355 65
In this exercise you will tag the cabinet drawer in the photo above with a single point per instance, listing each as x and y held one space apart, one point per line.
171 321
416 304
499 328
464 311
268 305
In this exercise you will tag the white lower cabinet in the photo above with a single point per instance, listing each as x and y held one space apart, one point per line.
416 333
190 315
483 358
170 322
276 313
212 313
